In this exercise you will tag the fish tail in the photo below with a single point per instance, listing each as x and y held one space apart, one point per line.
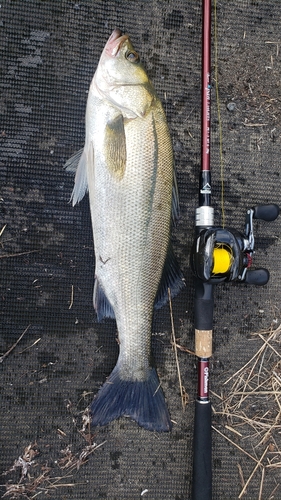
143 401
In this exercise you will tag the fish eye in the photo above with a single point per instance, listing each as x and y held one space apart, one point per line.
132 56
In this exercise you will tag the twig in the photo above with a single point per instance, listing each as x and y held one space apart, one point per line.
274 426
254 124
241 475
3 229
29 347
269 345
182 391
234 444
259 463
71 297
261 485
233 430
184 349
257 393
13 346
271 496
5 256
243 367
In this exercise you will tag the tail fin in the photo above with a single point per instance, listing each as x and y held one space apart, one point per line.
143 401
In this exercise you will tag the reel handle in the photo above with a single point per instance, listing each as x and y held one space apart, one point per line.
266 212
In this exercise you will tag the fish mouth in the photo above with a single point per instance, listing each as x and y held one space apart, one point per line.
115 42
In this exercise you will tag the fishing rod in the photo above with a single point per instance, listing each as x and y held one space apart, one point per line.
218 255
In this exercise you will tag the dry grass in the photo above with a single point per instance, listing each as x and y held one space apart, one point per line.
250 408
35 478
3 356
7 255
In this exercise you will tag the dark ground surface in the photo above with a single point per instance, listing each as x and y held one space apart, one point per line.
49 51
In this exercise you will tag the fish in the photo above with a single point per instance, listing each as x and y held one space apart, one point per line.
127 167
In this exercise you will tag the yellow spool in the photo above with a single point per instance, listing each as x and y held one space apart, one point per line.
222 261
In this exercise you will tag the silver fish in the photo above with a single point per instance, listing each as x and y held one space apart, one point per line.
127 166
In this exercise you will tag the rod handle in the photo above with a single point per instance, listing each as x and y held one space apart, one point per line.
203 305
266 212
202 452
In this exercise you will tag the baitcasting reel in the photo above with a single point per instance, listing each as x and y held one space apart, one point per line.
220 254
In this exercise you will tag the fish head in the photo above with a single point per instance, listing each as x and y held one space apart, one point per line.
121 78
120 63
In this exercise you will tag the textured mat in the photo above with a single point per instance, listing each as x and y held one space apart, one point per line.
49 52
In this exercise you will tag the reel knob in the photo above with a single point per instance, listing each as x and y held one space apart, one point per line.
266 212
256 277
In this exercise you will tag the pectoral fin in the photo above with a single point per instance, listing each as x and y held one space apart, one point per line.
72 164
115 147
78 164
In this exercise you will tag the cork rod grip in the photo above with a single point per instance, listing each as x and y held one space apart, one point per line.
203 343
